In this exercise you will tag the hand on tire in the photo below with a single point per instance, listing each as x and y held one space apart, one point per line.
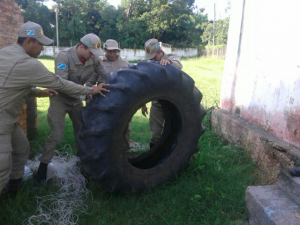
99 89
144 110
164 62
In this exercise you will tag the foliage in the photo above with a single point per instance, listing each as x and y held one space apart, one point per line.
35 11
172 22
176 22
79 17
132 28
221 32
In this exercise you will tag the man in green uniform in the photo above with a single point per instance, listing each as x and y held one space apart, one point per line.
20 73
76 64
155 53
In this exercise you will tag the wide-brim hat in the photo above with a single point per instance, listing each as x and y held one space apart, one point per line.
111 44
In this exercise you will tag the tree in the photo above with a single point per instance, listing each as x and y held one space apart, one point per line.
176 22
186 32
109 23
170 21
131 26
80 17
221 32
35 11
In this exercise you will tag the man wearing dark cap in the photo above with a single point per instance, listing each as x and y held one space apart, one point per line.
154 52
112 63
76 64
20 73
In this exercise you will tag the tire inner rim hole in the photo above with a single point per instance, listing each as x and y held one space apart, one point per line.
167 142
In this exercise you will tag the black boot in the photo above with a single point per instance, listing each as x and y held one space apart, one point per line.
295 171
41 174
13 187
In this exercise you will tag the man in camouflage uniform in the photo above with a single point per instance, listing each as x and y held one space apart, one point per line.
20 74
76 64
155 53
112 63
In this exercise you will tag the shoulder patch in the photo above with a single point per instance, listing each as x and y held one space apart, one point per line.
61 66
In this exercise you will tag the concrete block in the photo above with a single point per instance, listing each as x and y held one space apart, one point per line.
268 152
269 205
291 185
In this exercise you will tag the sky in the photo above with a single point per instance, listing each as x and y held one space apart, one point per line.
207 4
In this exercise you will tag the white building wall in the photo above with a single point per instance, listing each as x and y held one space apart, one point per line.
261 79
129 54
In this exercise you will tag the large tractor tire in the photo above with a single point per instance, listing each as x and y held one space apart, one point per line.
105 120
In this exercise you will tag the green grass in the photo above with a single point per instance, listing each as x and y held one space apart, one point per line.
207 73
210 191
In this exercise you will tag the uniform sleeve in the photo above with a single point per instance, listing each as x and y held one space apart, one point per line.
62 65
37 75
175 60
92 80
125 63
101 72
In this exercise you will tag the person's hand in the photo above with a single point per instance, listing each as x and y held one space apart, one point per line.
48 93
165 62
144 110
100 89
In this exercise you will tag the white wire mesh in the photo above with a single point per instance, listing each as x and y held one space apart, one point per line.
62 207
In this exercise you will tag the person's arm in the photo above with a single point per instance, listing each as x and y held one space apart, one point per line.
62 68
39 76
175 61
62 65
47 93
92 80
36 92
101 72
